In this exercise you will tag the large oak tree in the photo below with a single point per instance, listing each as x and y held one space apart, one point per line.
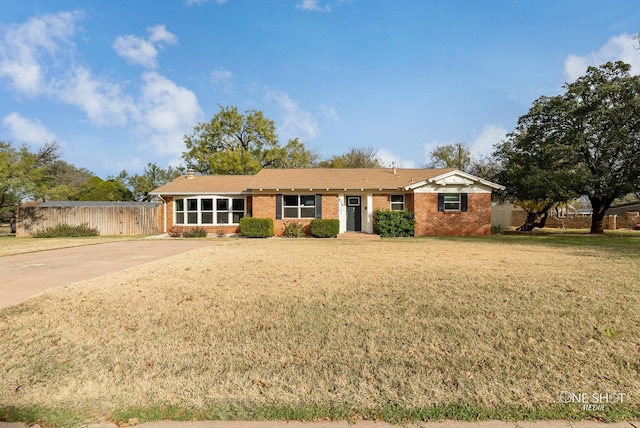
236 143
583 142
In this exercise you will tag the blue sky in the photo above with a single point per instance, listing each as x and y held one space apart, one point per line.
119 83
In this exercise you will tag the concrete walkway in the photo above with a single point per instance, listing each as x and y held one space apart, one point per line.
24 275
359 424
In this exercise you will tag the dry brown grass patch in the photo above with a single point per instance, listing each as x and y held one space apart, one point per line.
10 245
332 323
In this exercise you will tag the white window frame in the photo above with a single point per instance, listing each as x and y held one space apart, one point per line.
452 203
199 211
299 207
401 204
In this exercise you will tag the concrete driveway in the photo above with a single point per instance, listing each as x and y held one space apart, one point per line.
24 275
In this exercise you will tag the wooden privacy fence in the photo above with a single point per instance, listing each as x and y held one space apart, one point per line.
110 218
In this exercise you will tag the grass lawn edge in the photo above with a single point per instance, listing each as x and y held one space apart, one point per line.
53 417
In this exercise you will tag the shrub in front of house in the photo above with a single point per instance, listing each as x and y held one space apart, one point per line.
393 224
196 232
324 228
252 227
175 231
293 229
67 231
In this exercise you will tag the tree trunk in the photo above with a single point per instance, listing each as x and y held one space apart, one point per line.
599 207
536 218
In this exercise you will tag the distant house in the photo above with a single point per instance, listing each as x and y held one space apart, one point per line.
624 209
444 201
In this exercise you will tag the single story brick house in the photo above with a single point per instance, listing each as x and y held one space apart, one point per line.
445 201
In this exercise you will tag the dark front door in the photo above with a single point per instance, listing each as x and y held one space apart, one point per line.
354 213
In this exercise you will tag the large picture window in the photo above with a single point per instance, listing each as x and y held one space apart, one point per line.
209 211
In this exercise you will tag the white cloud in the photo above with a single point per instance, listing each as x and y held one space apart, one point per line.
618 48
38 58
329 112
102 101
489 136
296 122
23 48
28 131
159 33
312 5
136 50
221 77
199 2
389 159
169 112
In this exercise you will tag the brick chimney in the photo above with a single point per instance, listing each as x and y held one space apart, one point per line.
190 174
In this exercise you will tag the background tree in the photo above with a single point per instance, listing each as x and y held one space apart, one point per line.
456 155
65 181
37 176
97 189
485 166
153 176
296 155
583 142
357 157
235 143
15 164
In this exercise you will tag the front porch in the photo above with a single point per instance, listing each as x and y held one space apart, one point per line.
358 235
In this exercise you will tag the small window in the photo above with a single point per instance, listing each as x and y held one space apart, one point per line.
452 202
222 204
353 201
206 204
237 206
192 211
397 202
179 211
206 208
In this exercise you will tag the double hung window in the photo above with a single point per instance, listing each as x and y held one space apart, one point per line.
299 206
397 202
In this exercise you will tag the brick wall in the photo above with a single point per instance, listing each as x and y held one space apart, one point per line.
475 221
264 206
381 202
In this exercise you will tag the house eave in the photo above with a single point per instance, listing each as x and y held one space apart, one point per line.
474 180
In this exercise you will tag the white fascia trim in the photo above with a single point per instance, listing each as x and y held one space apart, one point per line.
457 172
200 194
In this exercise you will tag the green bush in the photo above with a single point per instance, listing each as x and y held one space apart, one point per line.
293 229
497 229
252 227
391 224
196 232
67 231
324 228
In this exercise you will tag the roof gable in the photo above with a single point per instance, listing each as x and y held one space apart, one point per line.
456 178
